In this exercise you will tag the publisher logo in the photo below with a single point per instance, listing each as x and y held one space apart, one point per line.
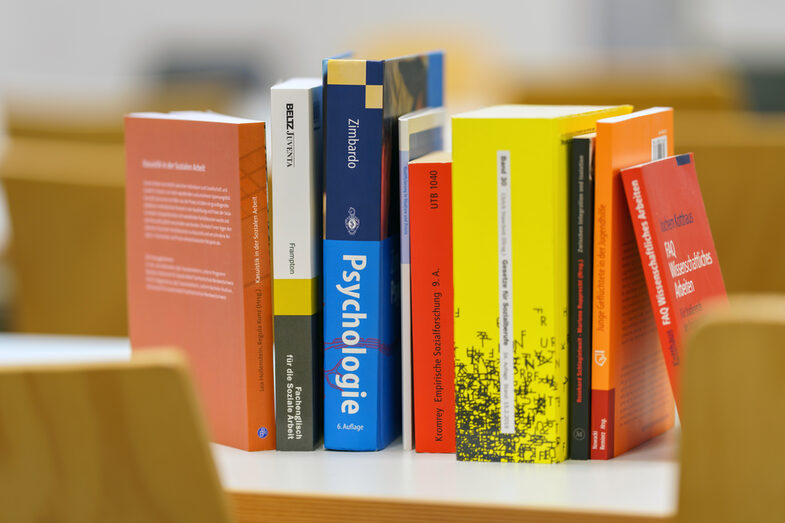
600 358
579 434
262 432
352 222
290 117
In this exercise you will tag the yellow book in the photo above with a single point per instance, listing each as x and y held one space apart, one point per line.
510 250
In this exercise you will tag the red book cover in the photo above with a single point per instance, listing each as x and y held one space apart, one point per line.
433 359
676 249
199 264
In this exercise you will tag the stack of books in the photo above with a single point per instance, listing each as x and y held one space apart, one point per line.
521 297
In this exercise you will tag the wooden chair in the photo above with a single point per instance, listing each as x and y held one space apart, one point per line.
69 191
685 85
105 442
739 157
734 390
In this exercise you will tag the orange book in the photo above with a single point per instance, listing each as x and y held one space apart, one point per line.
631 400
198 261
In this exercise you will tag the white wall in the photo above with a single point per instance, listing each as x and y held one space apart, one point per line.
104 42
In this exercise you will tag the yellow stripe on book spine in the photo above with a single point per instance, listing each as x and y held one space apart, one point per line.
374 96
346 72
296 297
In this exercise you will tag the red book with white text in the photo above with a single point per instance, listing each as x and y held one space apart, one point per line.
676 249
433 358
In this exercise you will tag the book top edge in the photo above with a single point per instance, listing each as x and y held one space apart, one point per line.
422 113
434 157
534 112
381 59
299 83
636 114
680 159
193 116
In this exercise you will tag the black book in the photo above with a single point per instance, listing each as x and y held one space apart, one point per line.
581 280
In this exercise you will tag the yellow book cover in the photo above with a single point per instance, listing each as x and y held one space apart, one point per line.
510 250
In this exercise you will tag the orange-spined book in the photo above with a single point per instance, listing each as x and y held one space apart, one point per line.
631 400
433 355
199 264
676 248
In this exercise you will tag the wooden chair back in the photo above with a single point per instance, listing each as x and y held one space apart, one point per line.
739 157
100 442
732 419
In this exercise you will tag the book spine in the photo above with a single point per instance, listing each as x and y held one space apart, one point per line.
362 385
511 356
407 425
257 288
296 134
418 135
432 306
581 249
602 395
658 282
357 354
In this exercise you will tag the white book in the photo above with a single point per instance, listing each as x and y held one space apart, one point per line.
296 178
296 159
420 133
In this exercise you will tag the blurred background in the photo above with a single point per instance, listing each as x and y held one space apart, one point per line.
69 71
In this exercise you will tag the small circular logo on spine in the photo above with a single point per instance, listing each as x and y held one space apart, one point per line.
579 434
352 222
262 432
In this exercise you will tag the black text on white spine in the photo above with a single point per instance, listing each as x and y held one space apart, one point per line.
289 135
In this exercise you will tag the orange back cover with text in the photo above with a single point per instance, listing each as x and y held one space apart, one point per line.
631 398
198 261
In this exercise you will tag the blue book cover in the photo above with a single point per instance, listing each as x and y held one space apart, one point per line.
363 100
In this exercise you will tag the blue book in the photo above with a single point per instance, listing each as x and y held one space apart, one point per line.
363 100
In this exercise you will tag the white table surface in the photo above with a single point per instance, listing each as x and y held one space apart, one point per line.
642 481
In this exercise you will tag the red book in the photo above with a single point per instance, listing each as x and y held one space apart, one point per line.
433 357
676 249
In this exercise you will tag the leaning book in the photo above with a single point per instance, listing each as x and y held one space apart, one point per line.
363 100
296 158
677 251
198 261
510 266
